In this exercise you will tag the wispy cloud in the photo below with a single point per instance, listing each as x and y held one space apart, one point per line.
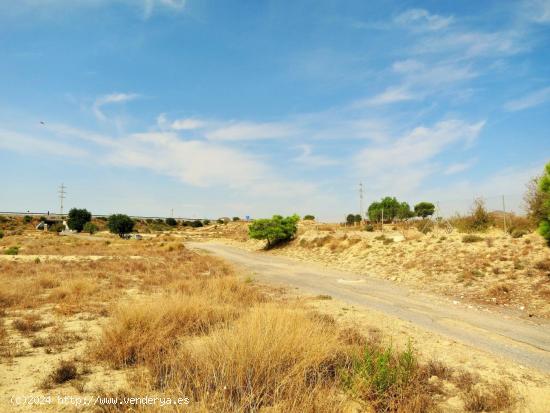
536 98
110 99
458 167
242 131
187 124
390 95
310 160
420 19
401 166
25 144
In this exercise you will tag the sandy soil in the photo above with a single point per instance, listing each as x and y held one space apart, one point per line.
497 271
487 361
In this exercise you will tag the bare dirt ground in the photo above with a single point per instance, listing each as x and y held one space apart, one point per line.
497 271
147 317
459 334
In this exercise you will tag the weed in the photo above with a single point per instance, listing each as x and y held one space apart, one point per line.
471 238
11 250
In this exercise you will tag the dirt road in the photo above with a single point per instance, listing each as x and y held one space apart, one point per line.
526 341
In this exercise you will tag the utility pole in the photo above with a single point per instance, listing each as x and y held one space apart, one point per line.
504 213
361 200
62 194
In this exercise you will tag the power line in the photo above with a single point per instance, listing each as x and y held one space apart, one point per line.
62 194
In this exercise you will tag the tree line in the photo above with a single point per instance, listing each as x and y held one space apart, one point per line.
389 209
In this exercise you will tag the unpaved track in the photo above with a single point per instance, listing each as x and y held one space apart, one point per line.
524 341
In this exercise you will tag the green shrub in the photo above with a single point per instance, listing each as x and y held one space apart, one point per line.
27 219
235 219
369 228
56 227
275 230
518 233
309 218
171 221
11 251
196 224
120 224
90 228
544 188
382 376
78 218
471 238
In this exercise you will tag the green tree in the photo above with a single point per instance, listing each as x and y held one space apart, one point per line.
404 211
390 207
78 218
544 188
309 218
375 212
235 219
171 221
120 224
424 209
350 219
275 230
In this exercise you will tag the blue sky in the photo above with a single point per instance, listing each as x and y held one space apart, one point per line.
259 107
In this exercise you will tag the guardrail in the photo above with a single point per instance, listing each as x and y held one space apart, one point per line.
55 215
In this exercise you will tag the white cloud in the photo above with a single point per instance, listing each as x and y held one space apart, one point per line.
173 5
458 167
110 99
187 124
421 19
241 131
538 10
469 44
401 166
390 95
533 99
308 159
26 144
51 8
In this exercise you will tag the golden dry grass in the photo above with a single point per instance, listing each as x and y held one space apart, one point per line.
176 322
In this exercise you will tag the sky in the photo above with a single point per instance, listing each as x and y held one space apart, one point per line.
252 108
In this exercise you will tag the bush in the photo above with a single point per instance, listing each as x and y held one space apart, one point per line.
1 234
196 224
11 251
27 219
369 228
471 238
171 221
424 209
309 218
275 230
544 188
56 227
235 219
90 228
206 222
78 218
534 201
120 224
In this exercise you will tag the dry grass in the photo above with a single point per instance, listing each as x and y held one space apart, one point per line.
258 362
28 324
141 332
182 323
